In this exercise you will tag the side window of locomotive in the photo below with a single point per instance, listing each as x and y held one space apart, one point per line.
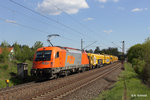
57 55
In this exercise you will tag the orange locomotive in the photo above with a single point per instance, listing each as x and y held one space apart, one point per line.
56 61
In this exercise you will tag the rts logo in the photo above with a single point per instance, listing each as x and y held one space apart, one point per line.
70 59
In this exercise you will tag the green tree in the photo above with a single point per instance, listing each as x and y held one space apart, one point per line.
5 51
26 53
110 51
89 51
136 51
146 69
139 56
97 50
38 44
17 51
5 44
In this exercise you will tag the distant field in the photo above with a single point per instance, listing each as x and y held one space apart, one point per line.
136 90
9 71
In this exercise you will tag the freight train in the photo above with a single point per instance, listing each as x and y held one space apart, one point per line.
51 62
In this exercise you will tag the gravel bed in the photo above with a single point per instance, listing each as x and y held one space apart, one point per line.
94 89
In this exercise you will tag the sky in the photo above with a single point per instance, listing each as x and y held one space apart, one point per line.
103 21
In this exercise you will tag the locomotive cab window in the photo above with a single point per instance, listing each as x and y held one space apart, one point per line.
43 55
57 55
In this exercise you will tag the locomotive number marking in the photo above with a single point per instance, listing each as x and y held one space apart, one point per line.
70 59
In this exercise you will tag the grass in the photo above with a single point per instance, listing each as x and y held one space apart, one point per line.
8 70
136 90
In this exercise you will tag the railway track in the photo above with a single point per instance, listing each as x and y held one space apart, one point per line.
56 89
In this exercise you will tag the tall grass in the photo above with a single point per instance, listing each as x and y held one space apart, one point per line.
8 70
136 90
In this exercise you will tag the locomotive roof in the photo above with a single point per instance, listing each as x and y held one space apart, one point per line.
68 48
63 48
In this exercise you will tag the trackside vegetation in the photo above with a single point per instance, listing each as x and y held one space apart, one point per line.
8 67
134 82
139 56
8 70
135 89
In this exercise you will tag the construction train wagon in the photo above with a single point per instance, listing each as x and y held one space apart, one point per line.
98 60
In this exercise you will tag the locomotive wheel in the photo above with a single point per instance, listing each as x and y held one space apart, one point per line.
67 73
55 76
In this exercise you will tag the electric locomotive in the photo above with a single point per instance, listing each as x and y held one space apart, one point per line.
56 61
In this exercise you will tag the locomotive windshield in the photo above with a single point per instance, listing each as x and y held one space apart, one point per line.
43 55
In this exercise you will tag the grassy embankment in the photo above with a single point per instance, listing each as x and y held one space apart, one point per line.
8 70
135 89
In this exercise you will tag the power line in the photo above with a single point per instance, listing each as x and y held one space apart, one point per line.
46 17
116 45
12 10
90 44
55 21
69 15
25 26
73 18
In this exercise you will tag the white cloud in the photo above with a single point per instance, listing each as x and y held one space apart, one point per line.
139 9
56 7
103 1
149 27
108 31
10 21
88 19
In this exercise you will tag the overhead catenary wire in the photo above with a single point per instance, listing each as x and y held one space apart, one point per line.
55 21
51 18
12 10
25 26
48 18
73 18
116 45
29 27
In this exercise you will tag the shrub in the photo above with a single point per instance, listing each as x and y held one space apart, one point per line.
1 58
5 67
138 65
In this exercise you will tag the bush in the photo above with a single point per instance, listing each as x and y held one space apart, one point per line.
146 73
138 65
139 56
5 67
1 58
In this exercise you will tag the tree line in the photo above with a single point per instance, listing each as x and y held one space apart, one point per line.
109 51
139 56
21 52
24 52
